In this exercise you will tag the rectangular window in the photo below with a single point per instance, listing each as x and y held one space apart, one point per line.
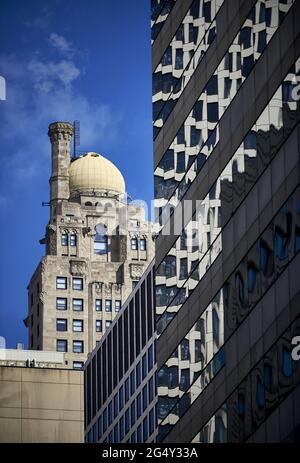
98 305
116 433
143 245
110 413
116 406
127 424
144 366
134 283
107 323
117 305
62 345
78 326
139 405
98 326
78 284
61 303
77 365
73 240
121 398
139 434
151 421
145 429
122 428
132 413
105 420
64 239
134 244
145 403
132 383
78 347
108 305
127 390
150 387
138 374
78 305
61 283
133 438
150 358
61 324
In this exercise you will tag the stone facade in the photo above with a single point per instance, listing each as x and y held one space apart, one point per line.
82 280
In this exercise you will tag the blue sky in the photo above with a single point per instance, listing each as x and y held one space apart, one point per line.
64 60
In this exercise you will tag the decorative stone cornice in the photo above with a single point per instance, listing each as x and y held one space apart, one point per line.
60 131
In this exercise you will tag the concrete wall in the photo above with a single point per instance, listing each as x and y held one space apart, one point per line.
41 405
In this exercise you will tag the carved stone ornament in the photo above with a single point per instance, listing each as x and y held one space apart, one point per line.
42 296
136 270
98 288
118 288
77 267
107 289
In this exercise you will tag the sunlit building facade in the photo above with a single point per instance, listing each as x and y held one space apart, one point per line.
98 243
226 89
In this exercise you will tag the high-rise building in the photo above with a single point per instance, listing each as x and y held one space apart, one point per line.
98 245
120 374
226 89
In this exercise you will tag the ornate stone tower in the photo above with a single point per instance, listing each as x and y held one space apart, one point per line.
97 247
60 134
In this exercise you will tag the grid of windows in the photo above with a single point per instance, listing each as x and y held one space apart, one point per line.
78 347
99 326
77 305
108 305
98 305
134 244
78 284
64 239
61 303
78 326
61 283
73 239
61 324
78 365
128 404
62 345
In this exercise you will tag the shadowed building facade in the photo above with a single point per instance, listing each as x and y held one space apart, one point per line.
98 245
226 168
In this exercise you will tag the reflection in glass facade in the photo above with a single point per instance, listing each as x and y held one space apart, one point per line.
274 377
226 286
199 355
201 241
160 10
188 46
199 134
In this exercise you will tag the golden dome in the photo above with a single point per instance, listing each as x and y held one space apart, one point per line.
94 172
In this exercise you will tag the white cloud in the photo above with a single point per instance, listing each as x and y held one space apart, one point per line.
46 75
38 93
61 44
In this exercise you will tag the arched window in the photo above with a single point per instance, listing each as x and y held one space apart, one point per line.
73 239
64 239
88 203
100 240
134 244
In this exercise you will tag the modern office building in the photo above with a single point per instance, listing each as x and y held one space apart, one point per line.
40 401
226 89
98 244
120 374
